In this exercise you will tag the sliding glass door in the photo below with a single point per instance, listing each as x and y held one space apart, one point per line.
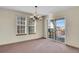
51 29
56 29
60 29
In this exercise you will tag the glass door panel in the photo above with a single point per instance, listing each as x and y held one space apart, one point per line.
51 29
60 30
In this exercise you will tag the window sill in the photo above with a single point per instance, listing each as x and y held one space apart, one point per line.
20 34
32 33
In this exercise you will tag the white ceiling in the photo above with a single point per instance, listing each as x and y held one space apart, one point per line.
45 10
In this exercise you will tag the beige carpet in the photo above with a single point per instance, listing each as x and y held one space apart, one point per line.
38 46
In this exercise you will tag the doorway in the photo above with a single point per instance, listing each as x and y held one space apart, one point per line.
56 29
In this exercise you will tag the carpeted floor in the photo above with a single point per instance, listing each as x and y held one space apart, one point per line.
38 46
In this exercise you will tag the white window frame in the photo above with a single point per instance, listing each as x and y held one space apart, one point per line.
21 25
34 27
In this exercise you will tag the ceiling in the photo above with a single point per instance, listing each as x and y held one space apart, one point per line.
44 10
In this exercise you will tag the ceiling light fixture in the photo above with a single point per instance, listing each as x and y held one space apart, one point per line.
35 15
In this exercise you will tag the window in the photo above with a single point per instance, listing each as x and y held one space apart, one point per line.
31 26
21 25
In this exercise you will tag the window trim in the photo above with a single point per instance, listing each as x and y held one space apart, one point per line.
19 34
34 28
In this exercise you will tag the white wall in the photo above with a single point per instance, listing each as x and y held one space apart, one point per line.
45 28
72 25
8 27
